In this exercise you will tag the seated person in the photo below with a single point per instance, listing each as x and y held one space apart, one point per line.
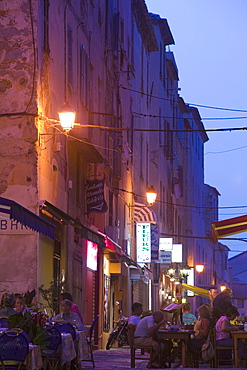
223 329
187 317
145 330
74 308
201 328
136 312
8 302
20 305
67 316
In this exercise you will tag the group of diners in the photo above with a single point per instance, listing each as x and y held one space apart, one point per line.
70 312
217 316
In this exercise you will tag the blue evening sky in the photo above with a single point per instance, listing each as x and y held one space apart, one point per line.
211 54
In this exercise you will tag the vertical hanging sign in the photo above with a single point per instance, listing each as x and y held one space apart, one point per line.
143 242
95 196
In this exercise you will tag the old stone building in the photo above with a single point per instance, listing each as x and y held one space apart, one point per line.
75 197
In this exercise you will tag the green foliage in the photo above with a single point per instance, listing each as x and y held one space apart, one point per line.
51 295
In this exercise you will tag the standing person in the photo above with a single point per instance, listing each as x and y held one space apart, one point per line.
20 305
223 301
145 330
74 308
223 329
68 316
187 317
136 313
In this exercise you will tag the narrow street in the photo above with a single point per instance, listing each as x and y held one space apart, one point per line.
119 358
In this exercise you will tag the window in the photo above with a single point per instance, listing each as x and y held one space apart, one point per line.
46 26
84 77
70 54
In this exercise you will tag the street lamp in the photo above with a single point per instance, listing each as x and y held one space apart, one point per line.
184 272
199 268
151 195
67 117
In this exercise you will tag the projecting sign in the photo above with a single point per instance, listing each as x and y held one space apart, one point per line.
165 257
165 244
143 242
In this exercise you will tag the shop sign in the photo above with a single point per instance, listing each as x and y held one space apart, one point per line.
165 257
143 242
92 255
8 226
154 242
165 244
95 196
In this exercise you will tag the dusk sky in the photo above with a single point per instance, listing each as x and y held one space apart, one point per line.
211 55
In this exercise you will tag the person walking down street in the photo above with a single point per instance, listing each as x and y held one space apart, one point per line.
136 313
223 301
223 329
144 333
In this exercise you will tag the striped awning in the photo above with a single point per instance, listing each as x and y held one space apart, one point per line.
143 213
14 211
197 291
229 227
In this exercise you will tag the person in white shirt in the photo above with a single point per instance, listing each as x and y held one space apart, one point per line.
67 316
136 313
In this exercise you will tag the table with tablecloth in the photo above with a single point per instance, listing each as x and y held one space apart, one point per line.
81 345
68 352
34 358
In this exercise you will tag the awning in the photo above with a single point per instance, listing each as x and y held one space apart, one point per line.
25 217
86 232
143 213
198 291
112 246
229 227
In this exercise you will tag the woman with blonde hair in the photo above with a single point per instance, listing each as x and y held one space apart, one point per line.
201 329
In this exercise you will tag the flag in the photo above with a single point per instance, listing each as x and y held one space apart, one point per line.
229 227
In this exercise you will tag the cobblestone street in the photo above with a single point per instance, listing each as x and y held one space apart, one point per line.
119 358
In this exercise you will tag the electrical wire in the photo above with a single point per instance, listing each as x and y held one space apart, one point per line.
189 104
226 151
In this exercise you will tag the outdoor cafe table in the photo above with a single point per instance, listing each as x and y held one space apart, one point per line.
73 349
177 335
34 358
238 334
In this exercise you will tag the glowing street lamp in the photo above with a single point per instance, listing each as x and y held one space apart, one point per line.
199 268
151 195
67 117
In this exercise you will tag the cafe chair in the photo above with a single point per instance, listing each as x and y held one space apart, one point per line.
52 355
4 322
218 348
14 348
66 328
133 349
90 340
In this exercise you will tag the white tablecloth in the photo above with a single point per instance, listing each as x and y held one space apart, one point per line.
81 345
68 352
34 358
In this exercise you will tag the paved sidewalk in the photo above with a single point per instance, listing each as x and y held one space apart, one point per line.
119 359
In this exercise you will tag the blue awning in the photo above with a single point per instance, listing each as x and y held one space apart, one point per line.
27 218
